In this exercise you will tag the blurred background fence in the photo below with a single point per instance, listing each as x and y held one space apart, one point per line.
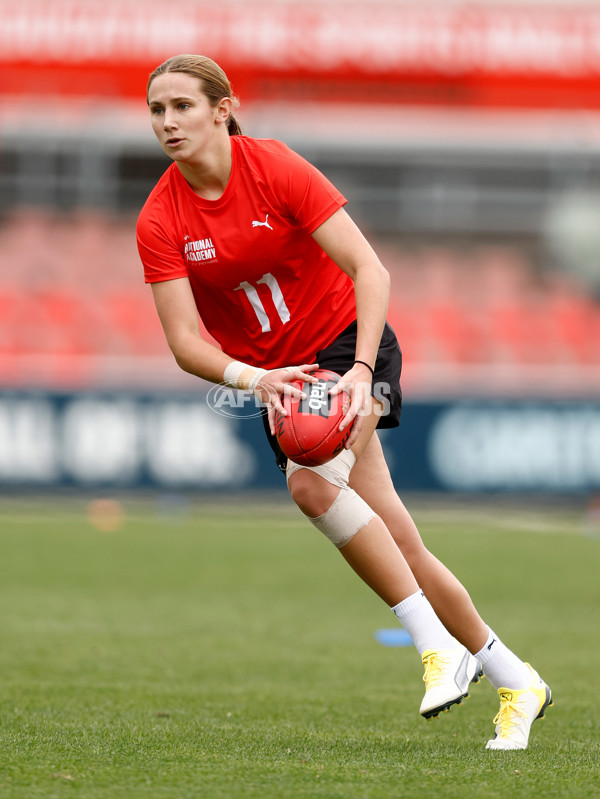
467 139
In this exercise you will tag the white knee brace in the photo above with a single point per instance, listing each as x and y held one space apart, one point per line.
348 512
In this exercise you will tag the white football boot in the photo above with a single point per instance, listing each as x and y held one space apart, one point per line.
518 711
448 674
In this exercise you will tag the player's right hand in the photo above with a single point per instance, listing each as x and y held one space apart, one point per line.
277 382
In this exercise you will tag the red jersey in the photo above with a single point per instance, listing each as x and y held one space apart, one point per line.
264 288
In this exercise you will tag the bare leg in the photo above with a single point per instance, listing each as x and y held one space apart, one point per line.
372 552
390 556
371 479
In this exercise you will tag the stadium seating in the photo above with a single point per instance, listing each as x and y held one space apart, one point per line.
72 288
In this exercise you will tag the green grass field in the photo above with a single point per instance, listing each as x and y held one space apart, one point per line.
200 653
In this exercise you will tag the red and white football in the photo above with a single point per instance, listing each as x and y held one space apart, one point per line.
309 434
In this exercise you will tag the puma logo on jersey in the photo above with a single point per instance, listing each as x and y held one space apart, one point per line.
256 223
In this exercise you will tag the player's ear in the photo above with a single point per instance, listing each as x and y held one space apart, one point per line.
223 109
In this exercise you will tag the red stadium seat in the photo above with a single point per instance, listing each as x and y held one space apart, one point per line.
132 315
577 321
77 290
458 334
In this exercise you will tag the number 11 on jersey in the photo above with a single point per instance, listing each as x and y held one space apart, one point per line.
259 309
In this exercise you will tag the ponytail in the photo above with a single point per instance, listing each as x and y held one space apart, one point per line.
233 126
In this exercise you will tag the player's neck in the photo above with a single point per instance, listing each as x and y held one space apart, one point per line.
209 175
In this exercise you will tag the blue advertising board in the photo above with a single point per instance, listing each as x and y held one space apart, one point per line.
197 442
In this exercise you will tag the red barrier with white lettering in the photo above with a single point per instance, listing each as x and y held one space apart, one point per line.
459 55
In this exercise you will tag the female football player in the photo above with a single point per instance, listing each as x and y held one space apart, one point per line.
253 239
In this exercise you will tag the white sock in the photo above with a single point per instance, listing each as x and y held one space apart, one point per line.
501 666
418 617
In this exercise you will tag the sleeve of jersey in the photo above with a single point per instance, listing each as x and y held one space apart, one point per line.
311 197
161 257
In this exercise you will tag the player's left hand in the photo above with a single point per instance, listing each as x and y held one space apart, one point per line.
357 383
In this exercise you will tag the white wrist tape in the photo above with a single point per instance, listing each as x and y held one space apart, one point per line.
242 375
232 372
255 379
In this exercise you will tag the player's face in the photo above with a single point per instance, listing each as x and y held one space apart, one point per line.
182 118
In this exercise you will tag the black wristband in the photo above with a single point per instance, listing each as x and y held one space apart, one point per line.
370 368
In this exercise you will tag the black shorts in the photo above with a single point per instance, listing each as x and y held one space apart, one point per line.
339 357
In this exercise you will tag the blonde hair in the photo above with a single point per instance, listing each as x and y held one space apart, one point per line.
215 83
